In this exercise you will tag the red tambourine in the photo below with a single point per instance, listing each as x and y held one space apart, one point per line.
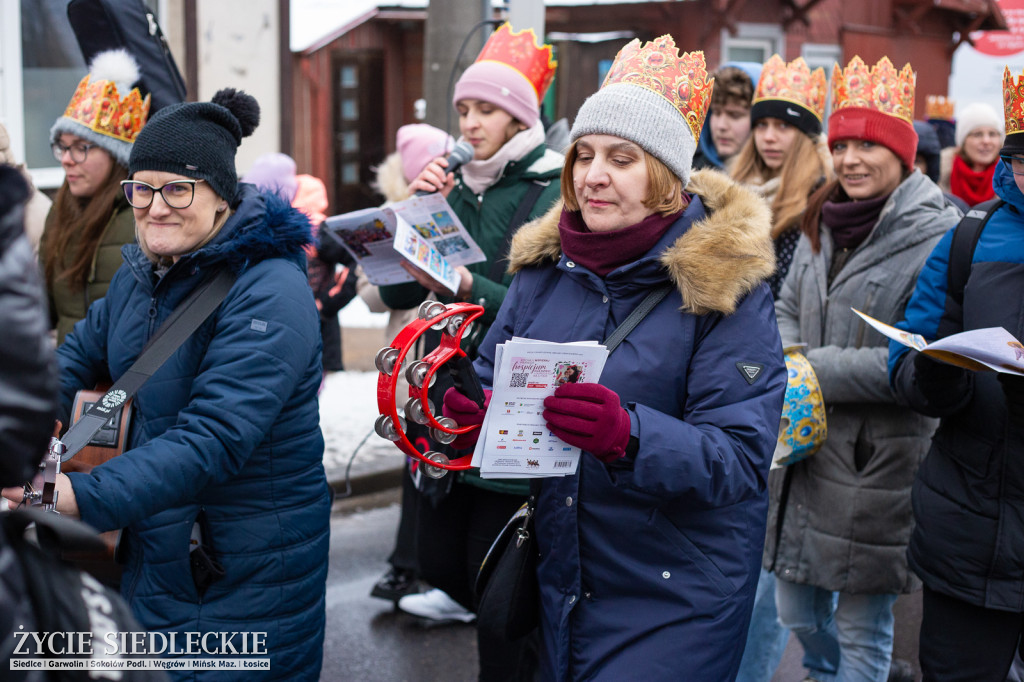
453 321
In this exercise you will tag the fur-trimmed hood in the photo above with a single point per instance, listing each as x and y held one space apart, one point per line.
716 262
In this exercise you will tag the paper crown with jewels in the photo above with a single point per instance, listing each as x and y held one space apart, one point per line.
881 88
938 107
1013 107
875 104
525 53
99 113
657 66
792 93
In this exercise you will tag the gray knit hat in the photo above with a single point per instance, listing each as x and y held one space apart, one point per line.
634 102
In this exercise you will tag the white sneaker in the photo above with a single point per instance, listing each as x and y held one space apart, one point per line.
435 605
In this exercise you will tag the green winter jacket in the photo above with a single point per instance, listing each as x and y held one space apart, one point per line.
68 306
486 218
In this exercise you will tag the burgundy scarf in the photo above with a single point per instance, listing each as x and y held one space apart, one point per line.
971 186
852 221
602 252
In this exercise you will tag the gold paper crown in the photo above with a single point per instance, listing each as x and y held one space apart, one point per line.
881 88
938 107
657 66
1013 102
525 53
98 106
793 82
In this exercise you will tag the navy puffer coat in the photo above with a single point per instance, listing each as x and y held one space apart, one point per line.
648 566
228 428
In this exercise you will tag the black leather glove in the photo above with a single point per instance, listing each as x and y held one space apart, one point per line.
938 380
1013 389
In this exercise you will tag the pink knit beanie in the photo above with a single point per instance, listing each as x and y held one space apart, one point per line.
502 86
419 144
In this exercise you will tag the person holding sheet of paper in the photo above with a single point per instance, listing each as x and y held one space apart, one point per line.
649 551
968 497
512 178
839 521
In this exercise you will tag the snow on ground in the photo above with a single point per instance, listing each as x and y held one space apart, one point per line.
356 315
348 408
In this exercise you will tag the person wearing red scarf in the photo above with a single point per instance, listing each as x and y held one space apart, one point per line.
979 135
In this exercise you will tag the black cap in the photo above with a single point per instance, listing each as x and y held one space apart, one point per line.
785 110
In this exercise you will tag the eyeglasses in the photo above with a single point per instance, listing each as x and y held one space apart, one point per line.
176 194
1014 163
79 151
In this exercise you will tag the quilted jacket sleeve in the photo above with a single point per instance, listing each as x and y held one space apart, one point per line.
247 376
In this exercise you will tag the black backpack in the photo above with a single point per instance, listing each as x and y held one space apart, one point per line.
63 598
961 254
101 25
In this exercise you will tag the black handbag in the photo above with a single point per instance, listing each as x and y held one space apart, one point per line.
509 606
506 584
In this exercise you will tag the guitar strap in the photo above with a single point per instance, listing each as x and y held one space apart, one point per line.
178 326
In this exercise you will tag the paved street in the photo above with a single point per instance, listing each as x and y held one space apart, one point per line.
367 640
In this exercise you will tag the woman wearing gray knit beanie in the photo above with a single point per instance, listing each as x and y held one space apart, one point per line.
649 550
89 222
511 178
221 492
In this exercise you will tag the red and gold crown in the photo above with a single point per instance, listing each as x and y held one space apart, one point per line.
1013 102
525 53
881 88
657 66
793 82
98 106
939 107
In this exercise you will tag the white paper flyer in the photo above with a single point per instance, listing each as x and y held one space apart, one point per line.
990 349
514 440
423 230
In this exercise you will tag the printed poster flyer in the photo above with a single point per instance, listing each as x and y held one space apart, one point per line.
379 239
990 349
514 440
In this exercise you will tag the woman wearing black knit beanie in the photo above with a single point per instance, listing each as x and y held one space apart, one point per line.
224 464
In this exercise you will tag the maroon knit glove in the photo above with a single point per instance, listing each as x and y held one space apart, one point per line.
465 412
590 417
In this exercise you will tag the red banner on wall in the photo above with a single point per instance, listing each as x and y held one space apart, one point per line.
1001 43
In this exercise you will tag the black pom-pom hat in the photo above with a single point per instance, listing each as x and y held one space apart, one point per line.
198 140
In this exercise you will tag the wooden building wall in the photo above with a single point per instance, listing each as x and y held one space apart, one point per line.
870 28
398 43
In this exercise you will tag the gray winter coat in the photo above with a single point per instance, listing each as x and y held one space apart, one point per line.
841 519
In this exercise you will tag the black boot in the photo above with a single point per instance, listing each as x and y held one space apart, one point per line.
395 584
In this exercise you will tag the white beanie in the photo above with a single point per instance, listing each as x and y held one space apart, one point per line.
974 116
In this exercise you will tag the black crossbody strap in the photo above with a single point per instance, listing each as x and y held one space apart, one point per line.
178 326
639 313
526 205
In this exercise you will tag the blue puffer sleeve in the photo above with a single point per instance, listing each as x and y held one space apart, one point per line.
719 452
264 342
927 302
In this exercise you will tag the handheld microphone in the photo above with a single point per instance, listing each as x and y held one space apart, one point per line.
461 154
